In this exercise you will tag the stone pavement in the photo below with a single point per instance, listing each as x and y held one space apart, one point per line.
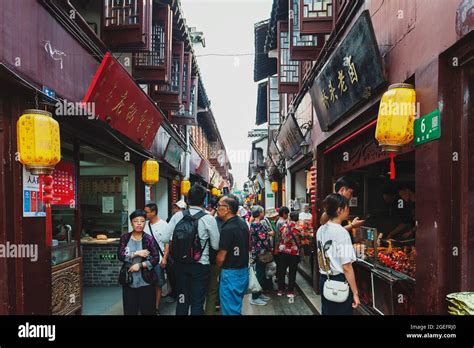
108 301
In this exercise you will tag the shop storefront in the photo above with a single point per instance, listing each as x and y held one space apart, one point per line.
410 272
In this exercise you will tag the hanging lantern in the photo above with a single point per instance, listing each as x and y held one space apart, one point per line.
396 119
274 186
215 191
150 172
38 141
185 187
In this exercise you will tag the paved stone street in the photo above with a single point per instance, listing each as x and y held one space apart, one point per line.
108 301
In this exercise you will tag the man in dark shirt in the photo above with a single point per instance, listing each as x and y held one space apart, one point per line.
233 256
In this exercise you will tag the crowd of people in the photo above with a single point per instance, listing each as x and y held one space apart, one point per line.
206 256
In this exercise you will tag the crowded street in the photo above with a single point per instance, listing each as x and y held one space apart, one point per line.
244 158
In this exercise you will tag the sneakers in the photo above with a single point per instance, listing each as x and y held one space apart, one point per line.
280 293
264 298
258 302
290 294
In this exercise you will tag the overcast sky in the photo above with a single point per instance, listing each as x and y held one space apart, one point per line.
228 27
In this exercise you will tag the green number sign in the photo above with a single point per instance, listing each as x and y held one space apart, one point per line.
427 128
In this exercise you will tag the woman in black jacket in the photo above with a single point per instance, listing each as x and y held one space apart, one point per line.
140 255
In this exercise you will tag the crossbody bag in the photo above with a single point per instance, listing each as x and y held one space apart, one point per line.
333 290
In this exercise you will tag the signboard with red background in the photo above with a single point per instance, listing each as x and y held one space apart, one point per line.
120 102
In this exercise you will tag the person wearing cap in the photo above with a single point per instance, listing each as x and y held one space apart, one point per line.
177 207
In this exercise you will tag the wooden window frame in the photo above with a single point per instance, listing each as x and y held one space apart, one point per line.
298 51
286 87
317 25
162 16
129 37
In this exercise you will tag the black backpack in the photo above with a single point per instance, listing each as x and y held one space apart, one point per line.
185 247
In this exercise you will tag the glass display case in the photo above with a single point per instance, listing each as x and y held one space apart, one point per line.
396 257
365 241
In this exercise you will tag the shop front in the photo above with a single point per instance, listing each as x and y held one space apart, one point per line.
385 244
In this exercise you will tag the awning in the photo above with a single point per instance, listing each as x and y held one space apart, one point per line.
120 102
262 108
263 66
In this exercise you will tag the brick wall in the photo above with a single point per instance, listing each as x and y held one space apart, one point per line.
97 270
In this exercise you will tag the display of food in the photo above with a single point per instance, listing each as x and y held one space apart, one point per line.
400 260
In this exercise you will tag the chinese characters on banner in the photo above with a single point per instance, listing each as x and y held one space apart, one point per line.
352 75
64 184
119 101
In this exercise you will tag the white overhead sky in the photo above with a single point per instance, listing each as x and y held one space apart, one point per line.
227 73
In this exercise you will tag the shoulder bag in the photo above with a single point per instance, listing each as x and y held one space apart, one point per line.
333 290
125 277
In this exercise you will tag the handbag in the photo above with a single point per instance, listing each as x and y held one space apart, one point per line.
333 290
265 257
254 285
125 277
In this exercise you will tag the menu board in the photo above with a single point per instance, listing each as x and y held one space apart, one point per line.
64 184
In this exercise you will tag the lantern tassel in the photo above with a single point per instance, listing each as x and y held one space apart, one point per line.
392 166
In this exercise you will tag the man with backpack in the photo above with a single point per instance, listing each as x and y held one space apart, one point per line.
192 232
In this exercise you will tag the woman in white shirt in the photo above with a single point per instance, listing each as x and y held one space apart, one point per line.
335 243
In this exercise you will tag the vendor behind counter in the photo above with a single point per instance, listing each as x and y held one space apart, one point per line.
396 218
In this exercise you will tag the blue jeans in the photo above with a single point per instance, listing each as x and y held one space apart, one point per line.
333 308
192 281
233 285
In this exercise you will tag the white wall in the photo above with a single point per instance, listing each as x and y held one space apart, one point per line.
287 197
160 197
269 202
300 184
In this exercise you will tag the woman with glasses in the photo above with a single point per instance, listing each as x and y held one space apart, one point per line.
139 253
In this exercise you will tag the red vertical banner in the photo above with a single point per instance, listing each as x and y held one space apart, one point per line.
64 182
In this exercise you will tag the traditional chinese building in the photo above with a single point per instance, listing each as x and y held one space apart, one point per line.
334 60
133 66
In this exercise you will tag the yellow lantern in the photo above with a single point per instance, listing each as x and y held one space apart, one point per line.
215 192
396 119
274 186
38 141
150 171
185 187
